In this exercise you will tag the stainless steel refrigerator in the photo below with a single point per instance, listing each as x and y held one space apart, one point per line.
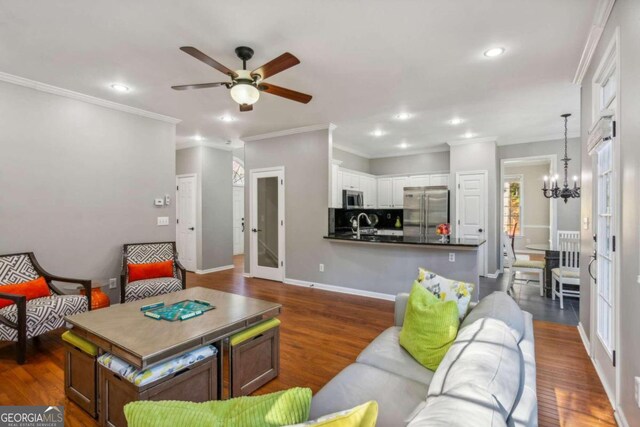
424 209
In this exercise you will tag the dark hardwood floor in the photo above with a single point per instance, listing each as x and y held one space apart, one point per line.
321 333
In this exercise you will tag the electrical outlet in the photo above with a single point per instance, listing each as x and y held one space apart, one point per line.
638 391
321 268
163 220
452 257
113 283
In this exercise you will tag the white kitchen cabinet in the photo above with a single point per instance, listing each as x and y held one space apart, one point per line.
336 187
369 191
385 190
419 181
440 179
397 198
350 181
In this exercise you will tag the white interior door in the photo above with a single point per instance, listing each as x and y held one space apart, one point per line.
472 209
238 220
267 224
186 220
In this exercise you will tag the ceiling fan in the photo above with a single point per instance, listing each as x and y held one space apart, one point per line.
245 86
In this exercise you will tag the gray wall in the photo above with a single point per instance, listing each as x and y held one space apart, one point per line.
352 161
476 157
411 164
376 268
625 15
214 207
568 215
79 180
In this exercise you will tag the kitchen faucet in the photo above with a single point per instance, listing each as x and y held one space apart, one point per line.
358 221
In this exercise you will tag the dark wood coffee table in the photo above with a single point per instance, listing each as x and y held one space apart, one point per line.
124 331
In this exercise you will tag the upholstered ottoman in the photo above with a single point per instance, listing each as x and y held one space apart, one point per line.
254 357
80 373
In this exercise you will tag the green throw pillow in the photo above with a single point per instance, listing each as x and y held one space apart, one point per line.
275 409
430 327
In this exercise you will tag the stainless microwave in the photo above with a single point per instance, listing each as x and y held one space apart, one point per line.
352 199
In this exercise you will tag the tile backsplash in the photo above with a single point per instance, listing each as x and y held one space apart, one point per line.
340 219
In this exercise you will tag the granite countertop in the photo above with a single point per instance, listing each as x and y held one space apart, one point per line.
406 240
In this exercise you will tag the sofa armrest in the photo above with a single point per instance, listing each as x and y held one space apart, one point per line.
400 307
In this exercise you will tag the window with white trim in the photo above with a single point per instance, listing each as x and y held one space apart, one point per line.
513 204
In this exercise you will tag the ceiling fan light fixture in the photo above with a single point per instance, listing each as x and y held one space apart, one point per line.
493 52
245 94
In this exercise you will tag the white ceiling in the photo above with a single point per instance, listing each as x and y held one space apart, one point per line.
363 61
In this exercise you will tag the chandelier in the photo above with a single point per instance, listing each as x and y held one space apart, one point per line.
554 191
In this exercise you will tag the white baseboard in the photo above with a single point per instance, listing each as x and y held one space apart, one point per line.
585 339
248 275
340 289
620 418
215 269
493 275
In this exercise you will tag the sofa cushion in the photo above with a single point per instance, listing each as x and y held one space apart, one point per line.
43 315
462 406
501 306
364 415
397 397
141 289
386 353
486 356
525 412
429 327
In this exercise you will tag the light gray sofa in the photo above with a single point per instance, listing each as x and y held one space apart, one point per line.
487 378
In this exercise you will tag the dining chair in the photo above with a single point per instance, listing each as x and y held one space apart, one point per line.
568 273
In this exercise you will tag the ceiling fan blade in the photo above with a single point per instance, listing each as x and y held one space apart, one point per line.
207 60
245 107
285 93
199 86
281 63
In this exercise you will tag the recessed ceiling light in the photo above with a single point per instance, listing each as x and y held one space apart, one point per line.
469 135
198 138
226 118
377 132
118 87
455 121
403 145
496 51
403 116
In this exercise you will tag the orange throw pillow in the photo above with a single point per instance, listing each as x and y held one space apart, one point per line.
33 289
150 271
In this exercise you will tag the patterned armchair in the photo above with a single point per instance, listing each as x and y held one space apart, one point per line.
145 253
27 319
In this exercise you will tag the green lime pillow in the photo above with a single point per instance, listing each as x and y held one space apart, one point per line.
430 326
274 409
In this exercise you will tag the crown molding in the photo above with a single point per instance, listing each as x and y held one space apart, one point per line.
286 132
55 90
472 141
544 138
595 33
405 153
351 151
191 144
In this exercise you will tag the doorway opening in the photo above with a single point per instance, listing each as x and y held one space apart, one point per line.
238 206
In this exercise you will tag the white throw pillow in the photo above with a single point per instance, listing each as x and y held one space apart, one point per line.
447 289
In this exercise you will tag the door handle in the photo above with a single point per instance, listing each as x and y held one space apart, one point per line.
255 230
593 258
191 228
480 230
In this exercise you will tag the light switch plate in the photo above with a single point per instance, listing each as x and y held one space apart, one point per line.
159 202
163 220
452 257
113 283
